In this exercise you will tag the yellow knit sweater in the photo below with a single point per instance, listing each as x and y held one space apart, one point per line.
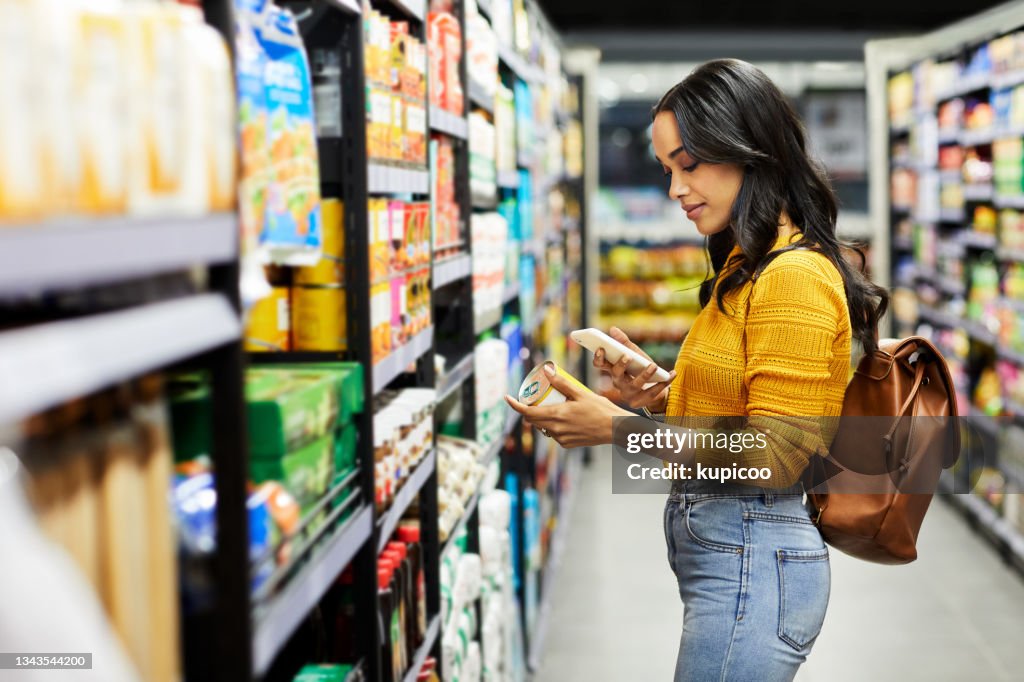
784 364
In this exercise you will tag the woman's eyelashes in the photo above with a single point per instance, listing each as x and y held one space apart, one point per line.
692 167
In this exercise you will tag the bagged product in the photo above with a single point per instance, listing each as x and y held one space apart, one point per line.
291 231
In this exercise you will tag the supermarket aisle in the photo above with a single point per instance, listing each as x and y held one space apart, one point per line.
955 614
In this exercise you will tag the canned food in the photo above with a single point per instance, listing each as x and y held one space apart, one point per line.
320 318
537 389
269 326
331 268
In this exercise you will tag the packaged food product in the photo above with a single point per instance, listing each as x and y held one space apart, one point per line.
210 52
269 324
320 317
537 389
55 24
164 110
331 267
286 410
252 123
304 472
291 232
98 96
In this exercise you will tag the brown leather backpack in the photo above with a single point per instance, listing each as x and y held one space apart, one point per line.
898 431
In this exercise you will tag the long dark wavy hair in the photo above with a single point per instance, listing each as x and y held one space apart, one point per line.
729 111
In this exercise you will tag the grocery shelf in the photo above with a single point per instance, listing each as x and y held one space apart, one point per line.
75 253
965 85
538 319
935 316
1007 80
899 128
903 243
980 192
978 240
433 630
974 138
1010 253
387 524
483 202
274 624
385 371
451 270
556 551
519 66
1008 201
949 135
978 332
347 5
384 179
479 97
486 320
461 523
952 215
44 365
451 381
446 122
511 293
1010 355
415 9
999 529
948 284
508 179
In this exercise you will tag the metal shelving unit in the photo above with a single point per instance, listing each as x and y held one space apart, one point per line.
83 252
275 623
388 369
45 365
952 226
452 270
387 524
254 633
446 122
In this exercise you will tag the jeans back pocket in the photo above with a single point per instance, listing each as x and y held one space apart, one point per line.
804 586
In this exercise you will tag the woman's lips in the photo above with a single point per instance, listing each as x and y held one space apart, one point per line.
693 212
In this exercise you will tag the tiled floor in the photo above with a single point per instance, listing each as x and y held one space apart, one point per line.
955 614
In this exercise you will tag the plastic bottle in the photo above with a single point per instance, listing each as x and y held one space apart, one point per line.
411 535
409 596
398 626
385 597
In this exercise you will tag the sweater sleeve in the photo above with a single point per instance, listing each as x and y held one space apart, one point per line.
796 312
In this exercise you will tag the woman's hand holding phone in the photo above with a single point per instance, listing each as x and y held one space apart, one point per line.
636 391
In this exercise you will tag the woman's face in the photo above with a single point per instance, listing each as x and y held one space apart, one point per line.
705 191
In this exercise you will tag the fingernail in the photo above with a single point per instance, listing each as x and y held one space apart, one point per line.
549 370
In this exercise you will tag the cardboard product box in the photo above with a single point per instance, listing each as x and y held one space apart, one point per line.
306 473
286 410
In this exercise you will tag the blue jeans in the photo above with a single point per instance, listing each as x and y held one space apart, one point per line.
754 578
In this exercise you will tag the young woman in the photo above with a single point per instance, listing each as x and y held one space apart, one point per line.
771 344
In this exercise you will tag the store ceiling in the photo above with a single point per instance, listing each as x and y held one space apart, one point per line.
869 15
651 30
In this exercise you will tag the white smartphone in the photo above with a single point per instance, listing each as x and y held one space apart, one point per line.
592 339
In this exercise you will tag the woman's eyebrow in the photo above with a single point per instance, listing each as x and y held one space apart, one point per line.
675 151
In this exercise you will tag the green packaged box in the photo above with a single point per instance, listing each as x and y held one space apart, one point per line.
348 377
286 410
345 448
327 672
305 473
